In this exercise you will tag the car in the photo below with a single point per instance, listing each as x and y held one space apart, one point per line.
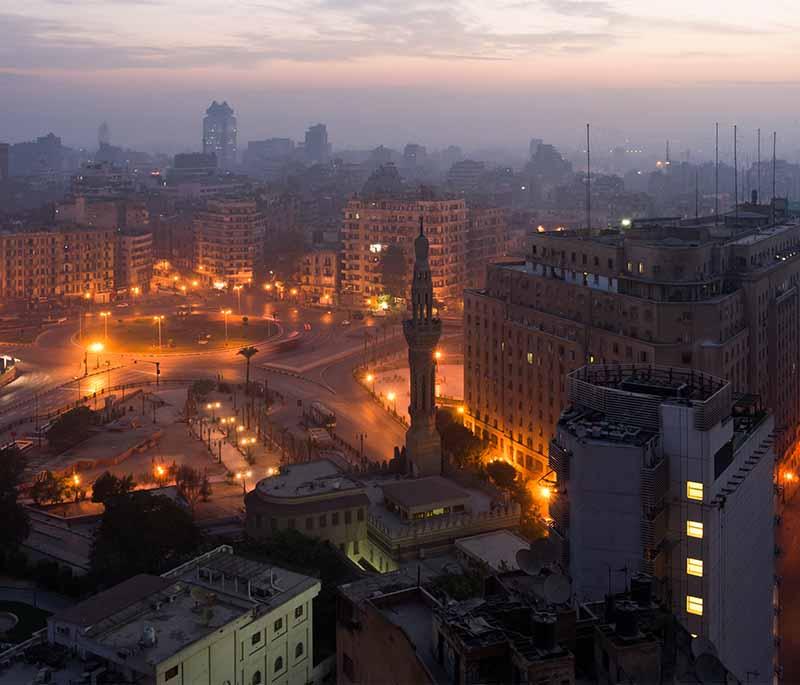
121 305
346 322
306 326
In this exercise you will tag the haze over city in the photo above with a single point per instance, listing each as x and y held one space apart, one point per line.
476 74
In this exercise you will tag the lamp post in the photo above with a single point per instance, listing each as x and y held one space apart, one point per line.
213 406
158 319
225 313
243 476
392 397
105 316
371 379
238 290
96 348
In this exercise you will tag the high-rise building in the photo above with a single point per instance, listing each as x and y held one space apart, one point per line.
464 176
229 241
487 237
704 297
4 163
219 134
317 149
133 266
422 331
414 157
661 472
371 226
63 262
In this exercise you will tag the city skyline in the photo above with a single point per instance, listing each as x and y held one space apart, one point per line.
546 66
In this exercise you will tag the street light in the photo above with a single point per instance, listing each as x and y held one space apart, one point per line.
213 406
225 313
371 379
96 348
238 290
158 319
392 398
243 476
437 355
105 316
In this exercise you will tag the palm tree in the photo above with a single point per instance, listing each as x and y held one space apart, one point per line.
247 353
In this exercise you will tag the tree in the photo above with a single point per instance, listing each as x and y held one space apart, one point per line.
189 482
70 428
247 353
108 487
15 526
461 446
205 488
49 489
141 533
394 271
502 473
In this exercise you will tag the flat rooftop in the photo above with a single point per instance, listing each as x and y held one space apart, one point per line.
763 234
303 480
497 549
423 492
594 425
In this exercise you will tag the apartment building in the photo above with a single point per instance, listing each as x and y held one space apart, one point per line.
59 263
319 276
229 239
370 226
133 266
712 298
487 239
660 471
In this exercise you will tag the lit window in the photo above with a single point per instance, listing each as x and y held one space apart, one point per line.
694 605
694 490
641 267
694 529
694 567
530 357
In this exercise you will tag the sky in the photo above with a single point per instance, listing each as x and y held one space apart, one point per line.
477 73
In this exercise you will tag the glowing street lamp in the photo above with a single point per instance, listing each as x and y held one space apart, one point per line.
160 472
437 355
213 406
96 348
105 316
158 319
371 379
545 493
243 476
238 290
392 397
225 313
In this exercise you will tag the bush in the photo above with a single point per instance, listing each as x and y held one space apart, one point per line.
201 388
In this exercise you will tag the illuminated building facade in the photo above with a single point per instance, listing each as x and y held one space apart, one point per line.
714 298
661 472
229 240
134 260
370 226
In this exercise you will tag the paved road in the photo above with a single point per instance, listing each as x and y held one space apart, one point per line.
789 570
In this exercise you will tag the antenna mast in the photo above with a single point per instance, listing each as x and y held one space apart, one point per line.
735 174
696 193
716 176
758 166
774 145
588 183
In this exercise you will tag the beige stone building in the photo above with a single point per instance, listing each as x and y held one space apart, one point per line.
319 276
134 260
370 226
229 239
59 263
713 298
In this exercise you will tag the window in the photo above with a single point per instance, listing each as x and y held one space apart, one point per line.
298 612
255 638
323 520
694 529
530 357
694 567
347 667
694 490
278 625
694 605
335 518
171 673
360 515
309 523
278 664
257 678
355 546
348 516
298 650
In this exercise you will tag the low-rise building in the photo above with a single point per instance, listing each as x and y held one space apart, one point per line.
319 276
219 618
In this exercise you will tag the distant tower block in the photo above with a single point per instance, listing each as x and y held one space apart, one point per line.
422 331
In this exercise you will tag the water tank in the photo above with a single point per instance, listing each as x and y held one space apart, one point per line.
544 630
642 589
627 621
148 635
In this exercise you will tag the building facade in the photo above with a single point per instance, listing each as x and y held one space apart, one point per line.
229 241
317 149
319 276
219 134
661 472
62 263
133 266
711 298
487 240
371 226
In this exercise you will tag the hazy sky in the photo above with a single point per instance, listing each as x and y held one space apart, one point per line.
478 73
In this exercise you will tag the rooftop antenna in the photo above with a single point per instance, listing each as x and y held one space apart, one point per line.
774 161
667 152
696 193
716 176
588 182
735 174
758 166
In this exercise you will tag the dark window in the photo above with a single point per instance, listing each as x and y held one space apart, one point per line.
257 678
347 663
323 521
277 625
298 650
278 664
171 673
258 520
291 524
255 638
360 514
309 523
273 523
348 516
355 546
298 612
335 518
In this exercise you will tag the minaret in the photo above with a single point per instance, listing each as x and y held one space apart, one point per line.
422 331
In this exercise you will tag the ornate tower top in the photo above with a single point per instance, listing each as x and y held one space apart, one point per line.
422 285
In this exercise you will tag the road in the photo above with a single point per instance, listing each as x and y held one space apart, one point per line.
320 363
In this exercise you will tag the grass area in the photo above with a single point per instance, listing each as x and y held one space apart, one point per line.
178 333
30 620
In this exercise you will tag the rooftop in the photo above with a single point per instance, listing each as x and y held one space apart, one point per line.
497 549
422 492
304 480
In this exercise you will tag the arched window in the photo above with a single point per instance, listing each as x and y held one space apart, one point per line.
257 678
298 651
278 664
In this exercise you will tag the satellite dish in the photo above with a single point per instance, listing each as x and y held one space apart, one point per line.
528 562
709 669
702 645
557 589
